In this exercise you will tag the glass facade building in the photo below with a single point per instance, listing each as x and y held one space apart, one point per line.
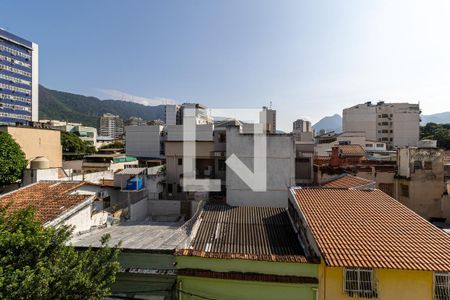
19 90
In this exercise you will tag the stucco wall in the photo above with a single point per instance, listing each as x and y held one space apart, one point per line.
391 284
38 142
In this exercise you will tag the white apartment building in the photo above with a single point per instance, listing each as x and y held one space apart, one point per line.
301 126
110 125
202 116
268 117
396 124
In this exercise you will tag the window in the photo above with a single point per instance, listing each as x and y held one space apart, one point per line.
221 165
441 286
222 137
369 145
360 283
428 165
180 161
417 165
380 145
404 190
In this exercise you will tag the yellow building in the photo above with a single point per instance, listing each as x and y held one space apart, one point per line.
36 142
370 245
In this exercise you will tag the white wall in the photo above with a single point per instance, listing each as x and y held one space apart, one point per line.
143 141
280 170
204 132
139 210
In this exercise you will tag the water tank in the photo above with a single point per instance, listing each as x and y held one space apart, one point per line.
40 162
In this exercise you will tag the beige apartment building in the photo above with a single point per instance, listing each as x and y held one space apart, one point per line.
36 142
396 124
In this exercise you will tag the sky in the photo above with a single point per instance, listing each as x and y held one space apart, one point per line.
308 59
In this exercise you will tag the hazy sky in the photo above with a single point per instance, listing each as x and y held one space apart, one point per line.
310 58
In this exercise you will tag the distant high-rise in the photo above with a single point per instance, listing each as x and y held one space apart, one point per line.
172 114
301 126
18 79
268 117
396 124
110 125
201 113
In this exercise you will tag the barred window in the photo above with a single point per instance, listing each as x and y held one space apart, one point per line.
360 283
441 286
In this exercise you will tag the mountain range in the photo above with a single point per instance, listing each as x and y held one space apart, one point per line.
334 122
70 107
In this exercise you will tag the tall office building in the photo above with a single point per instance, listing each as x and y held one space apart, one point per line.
268 117
18 79
110 125
396 124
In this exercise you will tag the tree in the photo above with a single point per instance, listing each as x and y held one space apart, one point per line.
114 145
439 132
37 263
71 143
12 160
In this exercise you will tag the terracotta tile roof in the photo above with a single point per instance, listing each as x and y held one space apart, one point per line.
246 276
253 233
347 181
50 199
351 150
356 228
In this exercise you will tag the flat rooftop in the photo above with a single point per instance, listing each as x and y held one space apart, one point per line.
144 235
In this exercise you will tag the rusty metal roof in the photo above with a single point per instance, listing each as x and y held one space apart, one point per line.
369 229
253 233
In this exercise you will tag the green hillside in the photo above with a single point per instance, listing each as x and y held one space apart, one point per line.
77 108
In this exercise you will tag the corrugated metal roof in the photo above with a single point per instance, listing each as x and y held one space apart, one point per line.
254 233
369 229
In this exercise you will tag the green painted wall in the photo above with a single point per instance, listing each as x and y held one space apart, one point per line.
248 266
144 285
242 290
194 287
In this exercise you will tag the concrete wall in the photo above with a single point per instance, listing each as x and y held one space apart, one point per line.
38 142
204 132
81 220
143 141
139 210
361 117
164 207
280 166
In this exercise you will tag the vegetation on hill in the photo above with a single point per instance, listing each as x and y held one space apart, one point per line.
12 160
36 263
86 110
439 132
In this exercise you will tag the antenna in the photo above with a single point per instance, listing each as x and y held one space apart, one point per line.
270 106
